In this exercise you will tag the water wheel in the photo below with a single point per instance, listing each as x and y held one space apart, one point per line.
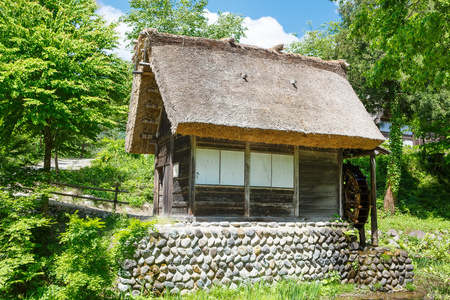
356 196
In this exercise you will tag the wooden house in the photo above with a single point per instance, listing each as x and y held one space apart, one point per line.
243 132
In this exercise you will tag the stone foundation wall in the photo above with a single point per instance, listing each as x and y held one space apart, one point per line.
180 258
391 270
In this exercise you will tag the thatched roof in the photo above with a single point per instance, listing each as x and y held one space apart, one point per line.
221 89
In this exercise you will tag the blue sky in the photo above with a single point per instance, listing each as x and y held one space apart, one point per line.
269 22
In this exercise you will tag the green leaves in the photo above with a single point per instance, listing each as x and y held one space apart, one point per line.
18 263
182 17
57 71
415 39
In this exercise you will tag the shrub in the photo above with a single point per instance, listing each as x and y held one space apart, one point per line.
126 239
84 268
113 164
18 263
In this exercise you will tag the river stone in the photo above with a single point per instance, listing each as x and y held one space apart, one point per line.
185 243
161 243
198 233
129 264
123 288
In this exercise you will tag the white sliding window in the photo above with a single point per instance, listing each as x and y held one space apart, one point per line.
282 171
260 169
219 167
207 166
231 167
271 170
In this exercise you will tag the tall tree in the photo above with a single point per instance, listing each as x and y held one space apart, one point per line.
334 41
182 17
58 76
414 37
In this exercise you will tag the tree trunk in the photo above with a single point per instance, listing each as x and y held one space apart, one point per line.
82 150
56 162
47 164
48 149
389 200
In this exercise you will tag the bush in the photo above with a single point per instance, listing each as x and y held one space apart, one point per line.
114 165
84 268
19 265
126 239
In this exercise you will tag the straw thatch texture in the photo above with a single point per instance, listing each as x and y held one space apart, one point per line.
220 89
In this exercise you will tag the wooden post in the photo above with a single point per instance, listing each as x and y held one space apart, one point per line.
156 179
116 193
170 182
373 197
362 237
296 182
340 185
192 175
247 180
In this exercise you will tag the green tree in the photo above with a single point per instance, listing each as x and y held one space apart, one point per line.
58 77
182 17
318 43
414 37
334 41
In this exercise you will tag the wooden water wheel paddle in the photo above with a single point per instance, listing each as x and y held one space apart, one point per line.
356 196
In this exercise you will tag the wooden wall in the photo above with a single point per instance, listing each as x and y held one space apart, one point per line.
318 188
219 200
181 155
319 183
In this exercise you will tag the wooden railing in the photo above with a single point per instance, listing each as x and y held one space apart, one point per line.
116 193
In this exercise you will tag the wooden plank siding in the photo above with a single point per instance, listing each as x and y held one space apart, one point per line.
315 193
180 191
319 183
272 202
219 200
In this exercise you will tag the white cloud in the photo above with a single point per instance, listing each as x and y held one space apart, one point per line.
264 32
212 17
112 14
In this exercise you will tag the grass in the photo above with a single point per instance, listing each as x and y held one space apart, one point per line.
284 290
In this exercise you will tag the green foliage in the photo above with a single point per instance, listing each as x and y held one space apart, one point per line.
414 39
19 266
126 239
113 164
394 170
58 78
423 192
84 267
182 17
430 112
292 290
318 43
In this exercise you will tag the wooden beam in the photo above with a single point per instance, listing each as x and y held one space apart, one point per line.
192 175
170 196
156 179
296 182
247 180
373 197
143 73
340 184
148 121
362 237
149 105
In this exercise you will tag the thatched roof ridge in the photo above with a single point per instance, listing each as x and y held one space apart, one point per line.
222 89
156 38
